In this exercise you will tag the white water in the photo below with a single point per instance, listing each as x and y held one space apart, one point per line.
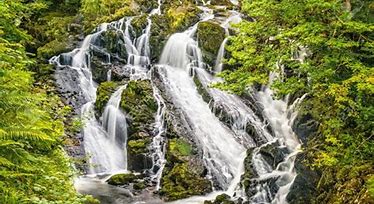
158 145
223 155
221 54
233 19
114 122
280 117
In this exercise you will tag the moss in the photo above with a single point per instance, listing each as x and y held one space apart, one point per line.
180 182
104 91
210 37
138 102
139 185
226 3
221 199
138 146
180 147
52 48
122 179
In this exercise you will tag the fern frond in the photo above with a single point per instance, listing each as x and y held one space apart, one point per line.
5 162
28 135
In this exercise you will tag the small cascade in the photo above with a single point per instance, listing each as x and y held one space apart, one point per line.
280 117
234 18
158 9
158 145
221 54
240 115
114 122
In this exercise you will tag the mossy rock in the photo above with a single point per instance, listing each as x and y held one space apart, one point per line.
138 146
122 179
104 91
53 48
180 182
180 147
226 3
177 17
249 172
210 37
139 185
138 102
221 199
114 43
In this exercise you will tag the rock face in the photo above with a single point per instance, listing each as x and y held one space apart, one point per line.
210 37
140 106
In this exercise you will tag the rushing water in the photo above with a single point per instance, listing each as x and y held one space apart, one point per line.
223 154
219 126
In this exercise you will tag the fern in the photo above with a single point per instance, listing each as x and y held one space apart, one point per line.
27 135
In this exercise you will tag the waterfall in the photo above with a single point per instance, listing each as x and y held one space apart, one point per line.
105 155
223 142
223 155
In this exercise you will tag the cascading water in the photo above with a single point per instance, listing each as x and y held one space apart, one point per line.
158 143
105 155
280 117
223 155
223 143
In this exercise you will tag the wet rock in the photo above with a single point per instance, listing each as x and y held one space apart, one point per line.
139 23
221 199
99 70
304 188
249 172
114 43
210 37
273 154
180 182
226 3
71 94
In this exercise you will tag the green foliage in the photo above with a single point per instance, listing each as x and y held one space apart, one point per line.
33 167
337 73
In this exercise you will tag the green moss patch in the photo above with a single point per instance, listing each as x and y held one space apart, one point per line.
104 91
